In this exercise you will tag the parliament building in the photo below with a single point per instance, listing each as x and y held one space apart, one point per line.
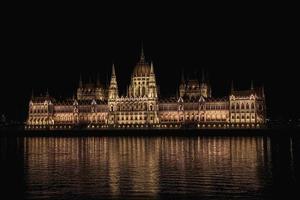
98 107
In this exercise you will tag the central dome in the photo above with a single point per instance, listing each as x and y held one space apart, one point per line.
142 69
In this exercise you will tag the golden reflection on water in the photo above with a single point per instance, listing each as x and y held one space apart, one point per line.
146 165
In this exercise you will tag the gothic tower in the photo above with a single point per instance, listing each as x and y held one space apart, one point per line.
205 89
152 84
112 97
113 87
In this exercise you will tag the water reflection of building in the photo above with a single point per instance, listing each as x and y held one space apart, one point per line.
142 106
110 165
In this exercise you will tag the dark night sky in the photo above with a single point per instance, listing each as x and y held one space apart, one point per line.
48 49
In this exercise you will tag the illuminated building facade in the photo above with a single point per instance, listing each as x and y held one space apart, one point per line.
97 106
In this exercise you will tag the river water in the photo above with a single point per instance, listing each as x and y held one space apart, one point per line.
158 167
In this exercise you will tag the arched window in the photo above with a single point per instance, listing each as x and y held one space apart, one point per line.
138 91
180 107
242 107
151 107
237 106
252 105
111 108
247 106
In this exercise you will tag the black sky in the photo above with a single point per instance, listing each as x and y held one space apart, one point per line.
49 49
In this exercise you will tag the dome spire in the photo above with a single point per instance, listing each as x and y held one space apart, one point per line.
142 52
113 73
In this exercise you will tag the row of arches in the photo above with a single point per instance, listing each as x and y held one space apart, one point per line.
38 110
180 118
40 121
242 106
81 118
243 116
132 107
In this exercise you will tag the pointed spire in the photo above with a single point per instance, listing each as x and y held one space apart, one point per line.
252 87
151 69
80 81
113 87
113 72
113 80
142 58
